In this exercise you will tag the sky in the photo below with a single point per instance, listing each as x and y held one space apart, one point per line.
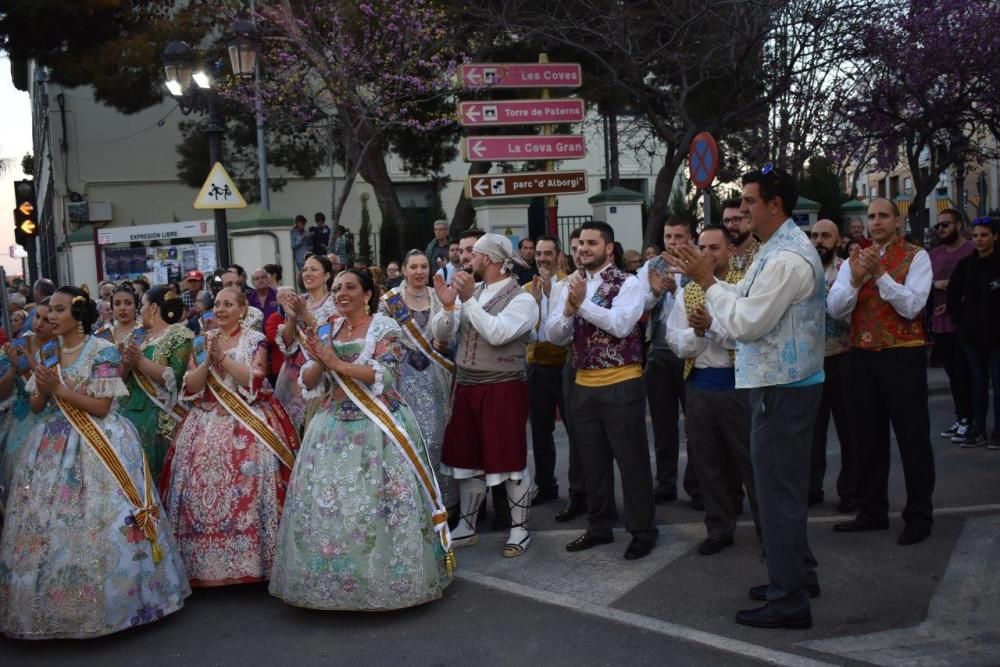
15 141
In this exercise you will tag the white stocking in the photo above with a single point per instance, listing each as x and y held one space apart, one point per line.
471 492
519 499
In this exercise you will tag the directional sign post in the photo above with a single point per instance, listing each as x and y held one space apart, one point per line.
520 112
520 75
527 147
703 163
527 184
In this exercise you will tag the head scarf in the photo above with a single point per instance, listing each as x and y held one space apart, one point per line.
499 249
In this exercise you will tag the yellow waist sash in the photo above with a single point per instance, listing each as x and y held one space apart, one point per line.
145 512
602 377
238 408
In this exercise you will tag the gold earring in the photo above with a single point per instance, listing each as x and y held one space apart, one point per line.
79 328
368 310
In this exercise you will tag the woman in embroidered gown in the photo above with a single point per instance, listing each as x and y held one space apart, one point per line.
358 532
162 360
79 557
301 314
423 384
124 305
21 419
223 484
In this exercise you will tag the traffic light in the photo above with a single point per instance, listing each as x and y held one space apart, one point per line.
25 216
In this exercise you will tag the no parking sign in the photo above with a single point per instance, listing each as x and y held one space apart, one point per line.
703 160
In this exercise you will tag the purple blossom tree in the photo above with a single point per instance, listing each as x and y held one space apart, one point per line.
367 71
929 91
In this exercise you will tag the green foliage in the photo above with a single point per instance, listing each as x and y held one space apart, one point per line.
28 164
821 184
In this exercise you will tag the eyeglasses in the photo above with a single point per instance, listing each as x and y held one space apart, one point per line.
945 224
732 221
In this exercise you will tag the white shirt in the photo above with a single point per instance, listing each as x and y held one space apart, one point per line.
447 271
618 320
516 319
907 299
787 278
649 299
538 332
710 351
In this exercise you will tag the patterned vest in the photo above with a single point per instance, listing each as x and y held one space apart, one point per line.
875 324
477 360
793 349
596 348
694 297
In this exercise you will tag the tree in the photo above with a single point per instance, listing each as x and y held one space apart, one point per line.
365 231
821 184
376 72
929 96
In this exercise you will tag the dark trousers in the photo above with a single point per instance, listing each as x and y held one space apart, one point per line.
577 482
836 401
782 420
718 441
890 388
664 376
545 394
609 426
948 350
984 366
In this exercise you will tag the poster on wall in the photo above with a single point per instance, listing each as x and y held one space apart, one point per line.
160 264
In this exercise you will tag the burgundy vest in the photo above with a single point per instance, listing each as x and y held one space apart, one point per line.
596 348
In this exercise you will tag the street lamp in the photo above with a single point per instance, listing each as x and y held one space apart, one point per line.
244 49
179 68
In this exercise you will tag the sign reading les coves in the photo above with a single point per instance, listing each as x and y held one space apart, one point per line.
528 184
526 147
520 75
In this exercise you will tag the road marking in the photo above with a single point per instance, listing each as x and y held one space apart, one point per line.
718 642
960 628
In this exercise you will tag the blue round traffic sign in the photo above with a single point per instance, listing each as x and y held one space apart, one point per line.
703 160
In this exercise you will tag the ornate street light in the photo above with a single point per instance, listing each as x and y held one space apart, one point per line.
178 64
243 47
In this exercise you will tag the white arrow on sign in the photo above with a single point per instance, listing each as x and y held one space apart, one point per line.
481 187
473 75
478 148
472 114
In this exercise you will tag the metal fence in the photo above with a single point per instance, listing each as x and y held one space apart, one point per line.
567 223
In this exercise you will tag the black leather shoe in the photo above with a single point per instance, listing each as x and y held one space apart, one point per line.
912 536
762 617
759 593
574 508
859 524
847 506
664 494
545 495
710 547
639 548
588 541
816 497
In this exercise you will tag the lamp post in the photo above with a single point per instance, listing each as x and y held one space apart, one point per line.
193 91
244 50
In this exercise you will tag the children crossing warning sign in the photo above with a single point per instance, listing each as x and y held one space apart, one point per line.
219 191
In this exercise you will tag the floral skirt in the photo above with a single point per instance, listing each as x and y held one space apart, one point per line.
72 561
223 490
356 533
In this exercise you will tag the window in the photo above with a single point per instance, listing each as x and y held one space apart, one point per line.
907 185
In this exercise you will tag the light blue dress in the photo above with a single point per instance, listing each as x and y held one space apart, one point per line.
73 562
19 422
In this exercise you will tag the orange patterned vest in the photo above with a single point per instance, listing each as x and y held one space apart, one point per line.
875 324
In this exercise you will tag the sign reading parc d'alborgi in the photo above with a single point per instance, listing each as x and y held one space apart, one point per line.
520 75
520 112
524 147
529 184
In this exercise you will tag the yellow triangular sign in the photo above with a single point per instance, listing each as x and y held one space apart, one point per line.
219 191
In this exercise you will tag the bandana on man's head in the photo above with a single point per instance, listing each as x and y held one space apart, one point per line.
499 249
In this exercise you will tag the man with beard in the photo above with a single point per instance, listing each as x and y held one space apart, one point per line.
738 229
598 312
947 348
526 249
544 372
485 443
883 289
836 390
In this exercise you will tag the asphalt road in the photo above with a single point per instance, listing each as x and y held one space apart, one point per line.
928 604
